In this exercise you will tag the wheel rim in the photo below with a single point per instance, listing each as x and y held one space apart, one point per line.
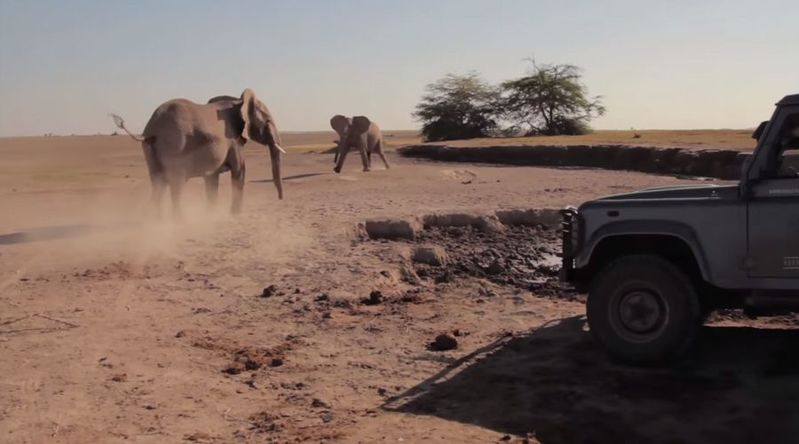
639 314
640 311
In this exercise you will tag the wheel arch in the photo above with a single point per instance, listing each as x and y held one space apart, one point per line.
675 242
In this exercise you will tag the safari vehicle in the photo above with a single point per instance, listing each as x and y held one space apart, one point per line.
656 262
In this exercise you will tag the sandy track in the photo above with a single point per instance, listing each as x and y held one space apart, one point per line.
142 321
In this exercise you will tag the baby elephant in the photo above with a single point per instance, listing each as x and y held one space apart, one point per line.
360 133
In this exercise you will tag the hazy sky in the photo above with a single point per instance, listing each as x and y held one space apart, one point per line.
64 65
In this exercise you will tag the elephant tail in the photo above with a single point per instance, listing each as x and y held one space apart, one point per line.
120 123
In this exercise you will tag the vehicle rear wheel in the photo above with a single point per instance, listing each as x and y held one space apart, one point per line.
643 309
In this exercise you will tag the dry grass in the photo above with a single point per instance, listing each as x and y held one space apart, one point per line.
69 162
60 162
80 162
320 141
699 139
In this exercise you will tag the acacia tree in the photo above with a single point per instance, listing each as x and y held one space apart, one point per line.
458 107
551 100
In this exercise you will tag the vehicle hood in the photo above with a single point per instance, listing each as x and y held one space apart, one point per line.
678 192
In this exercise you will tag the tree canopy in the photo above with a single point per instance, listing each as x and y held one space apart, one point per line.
458 107
550 100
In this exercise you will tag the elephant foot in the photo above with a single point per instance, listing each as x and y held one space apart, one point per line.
366 170
337 170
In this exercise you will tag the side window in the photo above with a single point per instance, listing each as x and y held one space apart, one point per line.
787 161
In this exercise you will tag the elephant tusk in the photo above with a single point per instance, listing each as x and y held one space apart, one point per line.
280 148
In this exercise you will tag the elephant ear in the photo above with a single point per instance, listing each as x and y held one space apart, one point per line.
247 104
360 124
340 123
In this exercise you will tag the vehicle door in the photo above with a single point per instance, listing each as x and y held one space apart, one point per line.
773 208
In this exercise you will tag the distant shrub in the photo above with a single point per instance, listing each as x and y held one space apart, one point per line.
458 107
570 127
550 100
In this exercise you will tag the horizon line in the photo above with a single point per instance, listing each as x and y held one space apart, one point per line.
398 130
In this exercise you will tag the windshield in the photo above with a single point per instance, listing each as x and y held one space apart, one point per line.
787 162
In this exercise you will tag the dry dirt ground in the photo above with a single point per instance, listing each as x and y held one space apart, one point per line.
264 327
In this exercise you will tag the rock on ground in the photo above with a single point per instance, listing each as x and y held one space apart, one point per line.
444 343
430 255
484 223
393 228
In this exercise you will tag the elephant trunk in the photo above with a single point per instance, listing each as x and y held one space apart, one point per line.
275 152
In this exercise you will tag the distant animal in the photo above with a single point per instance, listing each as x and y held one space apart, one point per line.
360 133
184 139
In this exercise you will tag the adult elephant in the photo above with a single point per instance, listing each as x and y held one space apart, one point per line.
184 139
360 133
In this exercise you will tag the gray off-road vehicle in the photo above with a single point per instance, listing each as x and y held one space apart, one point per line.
656 262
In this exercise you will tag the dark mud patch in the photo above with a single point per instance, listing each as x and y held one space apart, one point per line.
739 315
716 163
526 257
243 358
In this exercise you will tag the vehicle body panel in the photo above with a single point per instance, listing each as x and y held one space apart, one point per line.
742 237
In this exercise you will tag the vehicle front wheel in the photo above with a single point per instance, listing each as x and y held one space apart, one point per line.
643 309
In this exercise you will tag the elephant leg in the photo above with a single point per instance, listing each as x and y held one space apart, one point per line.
369 159
157 179
176 183
237 179
381 154
335 157
364 158
341 156
211 188
235 162
156 196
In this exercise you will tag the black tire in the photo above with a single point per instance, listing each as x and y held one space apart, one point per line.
643 309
